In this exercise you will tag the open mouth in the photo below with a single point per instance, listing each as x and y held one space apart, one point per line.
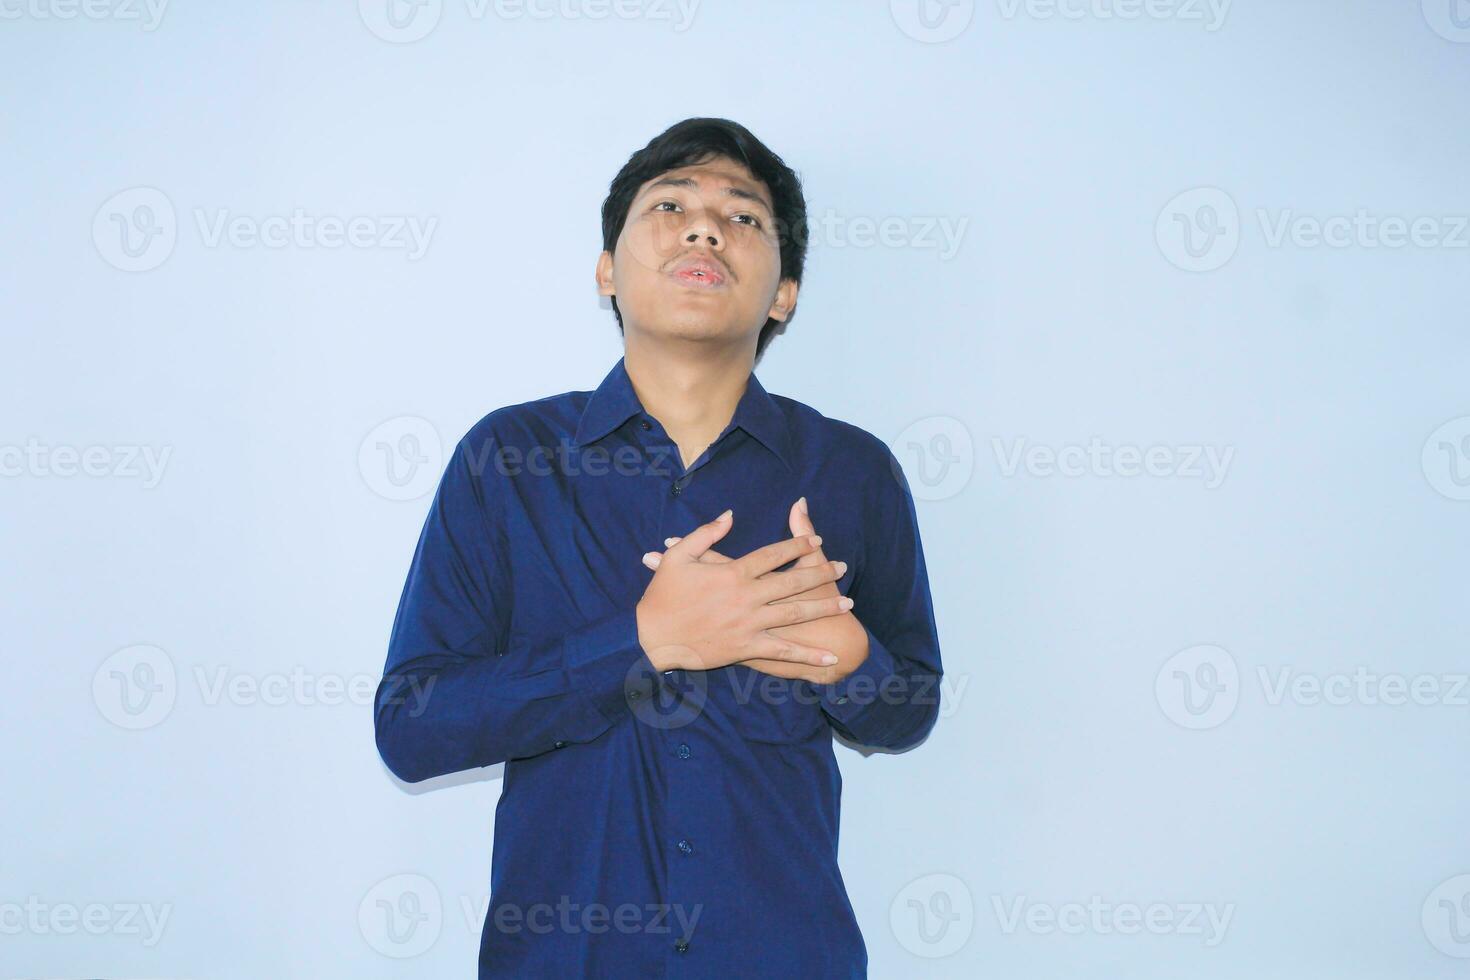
699 275
700 280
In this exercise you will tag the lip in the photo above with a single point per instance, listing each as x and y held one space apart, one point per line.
699 273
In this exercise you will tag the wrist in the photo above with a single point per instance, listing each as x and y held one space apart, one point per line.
658 654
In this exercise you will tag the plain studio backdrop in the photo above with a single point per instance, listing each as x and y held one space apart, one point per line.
1161 306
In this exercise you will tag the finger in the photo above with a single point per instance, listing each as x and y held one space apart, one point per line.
798 580
711 555
801 524
776 648
696 542
772 556
801 611
653 559
801 521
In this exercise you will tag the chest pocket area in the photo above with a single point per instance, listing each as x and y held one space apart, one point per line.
763 708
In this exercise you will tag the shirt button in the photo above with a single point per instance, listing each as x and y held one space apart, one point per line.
682 945
644 424
678 489
561 745
684 751
686 847
842 699
634 695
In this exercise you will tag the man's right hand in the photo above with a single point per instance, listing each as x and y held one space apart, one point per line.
698 616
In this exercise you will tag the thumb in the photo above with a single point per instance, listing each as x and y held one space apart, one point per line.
801 526
702 538
801 522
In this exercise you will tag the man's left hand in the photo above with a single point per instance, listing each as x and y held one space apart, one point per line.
844 634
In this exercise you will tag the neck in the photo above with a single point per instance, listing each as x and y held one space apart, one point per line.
692 393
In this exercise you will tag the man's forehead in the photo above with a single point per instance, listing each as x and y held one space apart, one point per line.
715 174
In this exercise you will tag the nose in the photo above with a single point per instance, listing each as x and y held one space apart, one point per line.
703 228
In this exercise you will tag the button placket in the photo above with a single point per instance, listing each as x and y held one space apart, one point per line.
680 480
686 879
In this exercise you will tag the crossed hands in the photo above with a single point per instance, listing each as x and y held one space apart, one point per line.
703 610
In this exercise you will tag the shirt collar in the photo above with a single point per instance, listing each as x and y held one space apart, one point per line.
615 401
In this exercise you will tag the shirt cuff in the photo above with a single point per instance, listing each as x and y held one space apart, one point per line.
607 666
846 699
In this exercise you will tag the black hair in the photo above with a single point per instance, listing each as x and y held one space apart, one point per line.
695 141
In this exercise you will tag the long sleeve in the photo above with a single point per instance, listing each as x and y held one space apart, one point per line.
892 699
455 694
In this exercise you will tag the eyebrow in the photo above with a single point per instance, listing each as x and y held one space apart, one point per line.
692 184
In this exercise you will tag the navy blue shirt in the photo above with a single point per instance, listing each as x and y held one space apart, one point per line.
651 824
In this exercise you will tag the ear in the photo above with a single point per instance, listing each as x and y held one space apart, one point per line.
605 275
785 303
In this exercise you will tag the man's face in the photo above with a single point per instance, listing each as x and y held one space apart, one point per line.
698 257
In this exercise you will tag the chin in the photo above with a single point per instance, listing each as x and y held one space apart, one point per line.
695 328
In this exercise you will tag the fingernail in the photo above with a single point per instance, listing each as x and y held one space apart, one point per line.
830 659
802 504
726 515
845 602
816 540
668 542
841 566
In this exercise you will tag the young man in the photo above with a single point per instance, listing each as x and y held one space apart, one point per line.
620 594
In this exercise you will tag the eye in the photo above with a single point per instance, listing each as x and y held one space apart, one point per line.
660 204
754 221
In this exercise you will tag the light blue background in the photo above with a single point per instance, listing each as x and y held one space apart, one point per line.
1335 539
